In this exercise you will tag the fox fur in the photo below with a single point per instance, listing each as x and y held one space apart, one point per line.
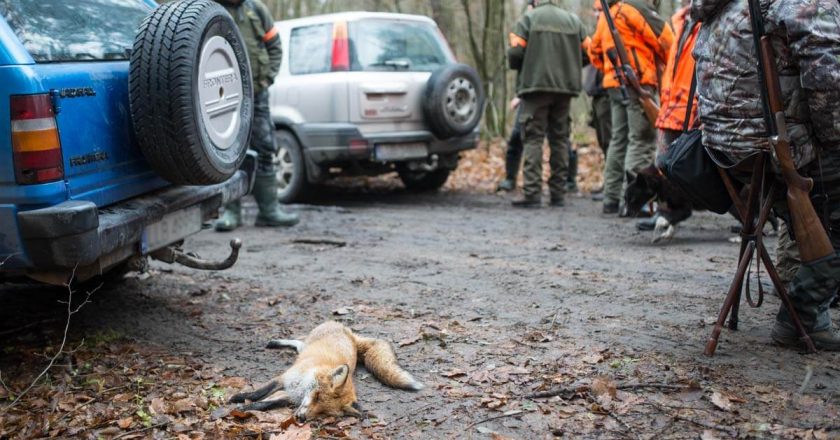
320 382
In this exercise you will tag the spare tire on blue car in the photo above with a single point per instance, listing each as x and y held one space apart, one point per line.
191 92
454 101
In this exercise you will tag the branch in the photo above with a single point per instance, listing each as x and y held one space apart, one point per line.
70 312
507 414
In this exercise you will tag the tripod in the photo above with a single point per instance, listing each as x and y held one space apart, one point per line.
754 216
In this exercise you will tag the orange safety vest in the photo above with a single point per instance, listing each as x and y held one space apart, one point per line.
676 80
646 36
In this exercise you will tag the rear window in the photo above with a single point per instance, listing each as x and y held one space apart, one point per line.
310 49
396 45
75 30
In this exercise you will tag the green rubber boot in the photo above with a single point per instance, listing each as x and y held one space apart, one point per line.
265 192
231 218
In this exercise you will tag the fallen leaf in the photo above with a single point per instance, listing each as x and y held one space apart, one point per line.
341 311
721 401
592 358
125 423
454 373
708 434
181 406
485 430
157 406
284 425
603 387
411 340
219 413
294 432
233 382
239 414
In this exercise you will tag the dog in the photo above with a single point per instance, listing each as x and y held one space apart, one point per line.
649 184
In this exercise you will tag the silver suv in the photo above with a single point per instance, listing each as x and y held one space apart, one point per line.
363 93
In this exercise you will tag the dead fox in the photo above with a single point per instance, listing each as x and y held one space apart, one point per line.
320 382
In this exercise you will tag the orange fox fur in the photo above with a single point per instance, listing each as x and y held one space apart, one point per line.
320 382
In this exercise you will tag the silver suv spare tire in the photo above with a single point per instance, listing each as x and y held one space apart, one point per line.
191 92
454 101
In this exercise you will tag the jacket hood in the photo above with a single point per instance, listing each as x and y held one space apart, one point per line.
702 10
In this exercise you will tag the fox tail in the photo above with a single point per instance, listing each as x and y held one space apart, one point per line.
379 358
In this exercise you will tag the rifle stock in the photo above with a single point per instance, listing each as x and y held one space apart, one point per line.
811 237
625 73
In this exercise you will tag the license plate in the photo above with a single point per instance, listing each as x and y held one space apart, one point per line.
416 150
173 227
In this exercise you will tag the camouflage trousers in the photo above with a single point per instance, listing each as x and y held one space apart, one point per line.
812 286
262 135
545 115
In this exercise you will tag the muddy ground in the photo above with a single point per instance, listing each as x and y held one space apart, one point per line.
485 303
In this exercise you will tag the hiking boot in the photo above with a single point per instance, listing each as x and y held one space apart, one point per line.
610 208
785 334
230 219
647 224
527 202
265 192
506 185
571 187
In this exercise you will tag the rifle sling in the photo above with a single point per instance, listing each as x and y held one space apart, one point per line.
689 105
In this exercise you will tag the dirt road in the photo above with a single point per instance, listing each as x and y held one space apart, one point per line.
484 303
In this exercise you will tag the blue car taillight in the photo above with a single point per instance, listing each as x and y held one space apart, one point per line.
35 141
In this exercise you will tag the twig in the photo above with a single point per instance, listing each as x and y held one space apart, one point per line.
628 386
4 385
664 386
327 241
422 408
678 416
488 419
70 312
629 429
137 431
558 392
715 426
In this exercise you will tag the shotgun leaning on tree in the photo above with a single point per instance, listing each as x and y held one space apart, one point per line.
624 71
811 236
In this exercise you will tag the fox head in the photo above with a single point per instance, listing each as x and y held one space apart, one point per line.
333 394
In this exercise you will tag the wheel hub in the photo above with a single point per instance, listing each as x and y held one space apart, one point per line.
285 170
461 100
220 92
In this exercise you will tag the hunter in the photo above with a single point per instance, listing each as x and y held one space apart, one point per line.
674 92
545 48
806 39
647 38
266 53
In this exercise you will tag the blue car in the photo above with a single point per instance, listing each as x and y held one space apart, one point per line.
107 159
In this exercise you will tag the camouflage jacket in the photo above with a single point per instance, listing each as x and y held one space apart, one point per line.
806 38
262 39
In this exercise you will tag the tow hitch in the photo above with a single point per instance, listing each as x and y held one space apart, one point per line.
174 254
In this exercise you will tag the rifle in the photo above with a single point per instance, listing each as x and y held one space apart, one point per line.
625 73
811 236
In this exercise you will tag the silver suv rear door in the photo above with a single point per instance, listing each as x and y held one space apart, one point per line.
307 86
391 60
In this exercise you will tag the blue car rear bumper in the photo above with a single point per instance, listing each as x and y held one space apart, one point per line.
77 233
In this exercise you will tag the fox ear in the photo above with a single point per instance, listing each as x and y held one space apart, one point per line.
340 375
